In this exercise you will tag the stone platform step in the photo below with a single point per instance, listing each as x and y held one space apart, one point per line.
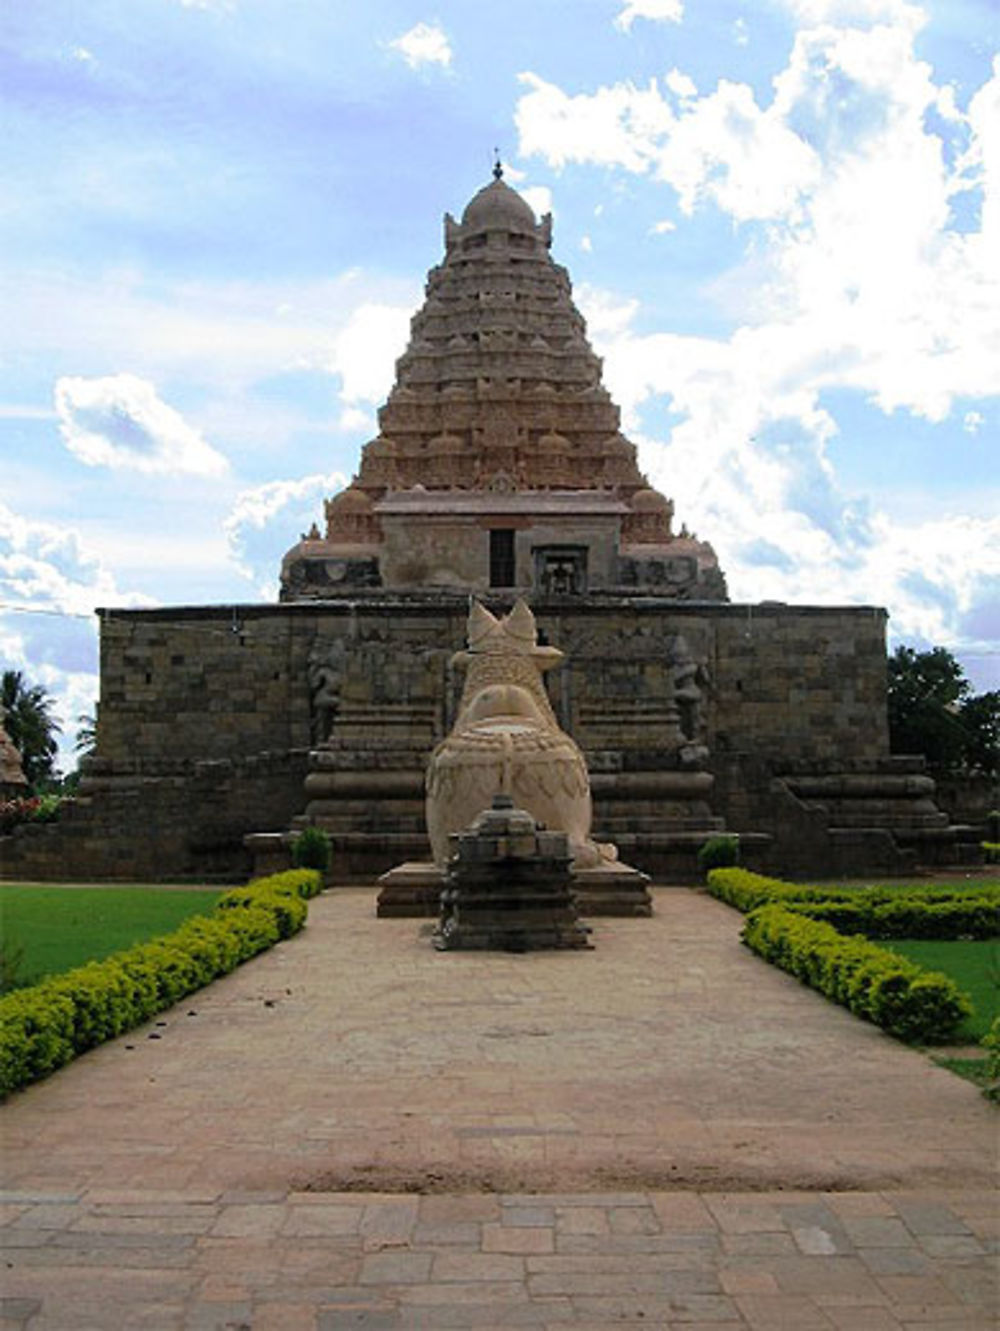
413 889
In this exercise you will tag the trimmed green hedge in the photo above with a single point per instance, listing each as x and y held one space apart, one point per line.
746 890
876 912
906 917
874 983
47 1025
991 1043
822 936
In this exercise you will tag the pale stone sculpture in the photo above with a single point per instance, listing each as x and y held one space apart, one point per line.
506 740
12 778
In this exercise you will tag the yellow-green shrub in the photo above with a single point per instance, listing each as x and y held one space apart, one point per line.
906 915
876 912
872 981
45 1026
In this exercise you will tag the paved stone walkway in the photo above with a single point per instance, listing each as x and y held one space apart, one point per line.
662 1132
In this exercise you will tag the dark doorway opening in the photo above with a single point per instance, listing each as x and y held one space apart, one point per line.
502 557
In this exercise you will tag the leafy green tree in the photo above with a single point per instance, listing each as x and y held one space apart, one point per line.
933 711
981 717
31 726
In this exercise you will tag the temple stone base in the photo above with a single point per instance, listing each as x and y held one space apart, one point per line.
612 889
414 889
508 886
411 889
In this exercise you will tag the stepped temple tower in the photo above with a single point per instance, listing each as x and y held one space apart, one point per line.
499 471
499 461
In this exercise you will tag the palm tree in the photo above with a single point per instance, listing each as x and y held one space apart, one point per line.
86 735
31 728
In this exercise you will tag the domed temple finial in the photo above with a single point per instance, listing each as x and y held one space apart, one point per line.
497 167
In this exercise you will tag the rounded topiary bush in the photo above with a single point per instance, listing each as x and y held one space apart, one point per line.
311 850
719 852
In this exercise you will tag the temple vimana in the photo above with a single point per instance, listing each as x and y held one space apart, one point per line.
499 471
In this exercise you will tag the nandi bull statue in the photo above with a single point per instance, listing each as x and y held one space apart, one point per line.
506 740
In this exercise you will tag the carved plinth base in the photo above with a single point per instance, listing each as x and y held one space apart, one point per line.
412 889
270 852
526 913
509 886
612 889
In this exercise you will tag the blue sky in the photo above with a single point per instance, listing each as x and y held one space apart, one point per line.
782 221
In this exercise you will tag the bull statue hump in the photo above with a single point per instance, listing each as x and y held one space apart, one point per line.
506 740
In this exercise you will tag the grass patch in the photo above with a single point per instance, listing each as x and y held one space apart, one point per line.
976 1070
974 965
967 885
48 930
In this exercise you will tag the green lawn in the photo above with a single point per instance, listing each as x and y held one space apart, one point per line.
971 885
47 930
973 965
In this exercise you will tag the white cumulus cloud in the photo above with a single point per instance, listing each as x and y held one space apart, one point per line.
538 198
658 11
364 351
721 147
266 521
855 276
118 421
748 466
423 44
50 584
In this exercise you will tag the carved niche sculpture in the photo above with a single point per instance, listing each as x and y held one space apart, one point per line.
12 779
506 740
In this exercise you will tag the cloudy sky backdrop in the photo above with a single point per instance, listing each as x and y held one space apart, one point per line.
782 219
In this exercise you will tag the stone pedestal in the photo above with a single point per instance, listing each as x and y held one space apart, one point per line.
414 890
410 889
612 889
508 886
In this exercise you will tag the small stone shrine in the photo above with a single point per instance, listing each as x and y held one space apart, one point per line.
508 885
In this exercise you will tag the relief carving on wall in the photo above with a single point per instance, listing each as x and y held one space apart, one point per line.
325 674
640 670
689 681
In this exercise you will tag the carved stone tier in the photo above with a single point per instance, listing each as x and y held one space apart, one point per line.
413 889
499 393
508 886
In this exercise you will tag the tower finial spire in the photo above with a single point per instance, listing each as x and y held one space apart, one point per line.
497 166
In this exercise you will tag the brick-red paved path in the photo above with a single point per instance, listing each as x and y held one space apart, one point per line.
604 1135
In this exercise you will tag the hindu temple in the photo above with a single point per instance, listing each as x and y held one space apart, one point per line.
499 470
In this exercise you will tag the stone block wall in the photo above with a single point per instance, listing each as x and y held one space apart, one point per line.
141 820
792 684
201 682
207 714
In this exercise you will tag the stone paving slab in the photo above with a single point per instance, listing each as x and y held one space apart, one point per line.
321 1262
662 1132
